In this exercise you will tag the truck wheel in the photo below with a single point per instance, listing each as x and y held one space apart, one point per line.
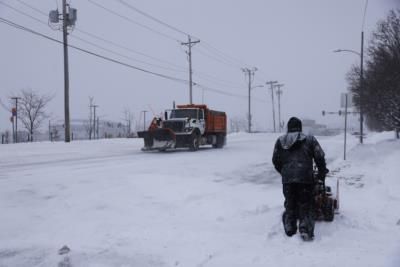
194 142
220 141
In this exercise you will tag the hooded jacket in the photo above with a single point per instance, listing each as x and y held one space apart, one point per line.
293 157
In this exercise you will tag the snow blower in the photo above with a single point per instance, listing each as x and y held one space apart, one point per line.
325 203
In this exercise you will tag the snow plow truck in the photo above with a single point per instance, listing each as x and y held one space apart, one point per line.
187 126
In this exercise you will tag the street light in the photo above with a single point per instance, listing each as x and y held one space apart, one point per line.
361 55
347 50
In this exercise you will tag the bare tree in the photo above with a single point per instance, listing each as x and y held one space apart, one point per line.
381 84
31 110
238 124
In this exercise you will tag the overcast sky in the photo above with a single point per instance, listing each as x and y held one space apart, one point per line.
287 40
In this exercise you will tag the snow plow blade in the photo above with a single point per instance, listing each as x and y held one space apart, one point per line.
158 139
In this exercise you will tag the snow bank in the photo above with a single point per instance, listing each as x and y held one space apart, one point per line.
114 205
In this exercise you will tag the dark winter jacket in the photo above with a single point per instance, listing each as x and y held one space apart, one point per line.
293 157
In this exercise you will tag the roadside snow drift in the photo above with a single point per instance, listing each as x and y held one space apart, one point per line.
113 205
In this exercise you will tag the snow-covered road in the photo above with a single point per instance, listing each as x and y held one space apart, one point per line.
114 205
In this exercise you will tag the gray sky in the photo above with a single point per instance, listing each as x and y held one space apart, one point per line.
287 40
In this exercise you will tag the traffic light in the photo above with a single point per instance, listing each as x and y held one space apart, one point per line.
323 113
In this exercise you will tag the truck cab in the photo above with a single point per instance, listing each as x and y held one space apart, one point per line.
188 119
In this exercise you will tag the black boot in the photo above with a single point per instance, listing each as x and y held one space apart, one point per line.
289 224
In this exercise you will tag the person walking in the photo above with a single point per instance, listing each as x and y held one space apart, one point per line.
293 157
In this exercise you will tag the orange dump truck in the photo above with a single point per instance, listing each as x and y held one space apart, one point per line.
187 126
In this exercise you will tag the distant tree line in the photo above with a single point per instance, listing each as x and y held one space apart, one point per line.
381 86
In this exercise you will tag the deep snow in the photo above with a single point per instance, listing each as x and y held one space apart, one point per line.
114 205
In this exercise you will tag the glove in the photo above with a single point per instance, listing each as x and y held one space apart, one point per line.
322 174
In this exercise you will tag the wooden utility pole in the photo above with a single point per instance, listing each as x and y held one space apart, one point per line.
94 121
279 93
16 98
190 43
66 74
249 73
271 83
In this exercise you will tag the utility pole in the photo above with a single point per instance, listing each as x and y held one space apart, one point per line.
94 120
345 127
144 119
271 83
50 131
361 87
16 98
279 93
190 43
249 73
13 128
68 17
66 74
98 123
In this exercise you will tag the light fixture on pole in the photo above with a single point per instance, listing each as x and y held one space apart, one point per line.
361 55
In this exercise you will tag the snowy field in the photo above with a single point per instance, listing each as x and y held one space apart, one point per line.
114 205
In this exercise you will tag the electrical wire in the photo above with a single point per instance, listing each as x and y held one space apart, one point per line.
212 49
214 79
105 40
124 56
4 106
204 75
130 49
153 18
15 25
23 28
132 21
96 45
32 7
220 56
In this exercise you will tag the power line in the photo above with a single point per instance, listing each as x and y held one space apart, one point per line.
129 49
4 106
124 56
214 79
237 62
23 13
132 21
223 58
32 7
93 44
97 37
113 52
216 59
15 25
20 27
154 18
208 46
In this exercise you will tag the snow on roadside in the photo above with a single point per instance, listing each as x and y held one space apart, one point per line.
114 205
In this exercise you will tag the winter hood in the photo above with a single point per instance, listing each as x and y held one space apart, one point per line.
289 139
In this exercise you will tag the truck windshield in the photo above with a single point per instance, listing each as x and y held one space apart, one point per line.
185 113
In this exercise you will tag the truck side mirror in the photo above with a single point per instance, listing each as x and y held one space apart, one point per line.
166 115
